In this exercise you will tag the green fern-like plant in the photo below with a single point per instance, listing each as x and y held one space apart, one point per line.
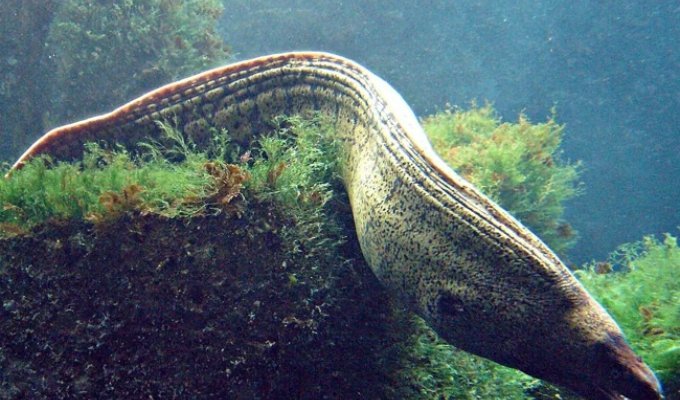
102 182
295 166
298 167
516 164
639 286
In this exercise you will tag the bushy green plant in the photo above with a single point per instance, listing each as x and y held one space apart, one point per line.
295 167
639 286
103 182
108 52
437 370
516 164
298 168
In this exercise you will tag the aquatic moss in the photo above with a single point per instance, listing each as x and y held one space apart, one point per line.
639 286
103 183
295 167
516 164
298 168
436 370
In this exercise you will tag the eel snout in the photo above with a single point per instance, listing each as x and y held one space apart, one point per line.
616 373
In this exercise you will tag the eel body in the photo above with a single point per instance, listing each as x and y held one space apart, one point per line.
475 274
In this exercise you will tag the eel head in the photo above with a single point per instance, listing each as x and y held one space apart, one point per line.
612 372
575 345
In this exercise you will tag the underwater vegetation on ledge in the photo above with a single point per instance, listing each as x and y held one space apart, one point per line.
171 177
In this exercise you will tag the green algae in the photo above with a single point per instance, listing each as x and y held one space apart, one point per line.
516 164
304 180
294 167
639 286
41 192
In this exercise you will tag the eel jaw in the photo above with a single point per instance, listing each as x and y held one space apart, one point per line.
616 373
644 386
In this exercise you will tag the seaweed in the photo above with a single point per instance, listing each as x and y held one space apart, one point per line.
516 164
303 179
641 290
295 167
104 183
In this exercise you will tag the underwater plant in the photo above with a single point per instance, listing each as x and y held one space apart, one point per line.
516 164
639 286
104 183
109 52
297 167
436 370
294 167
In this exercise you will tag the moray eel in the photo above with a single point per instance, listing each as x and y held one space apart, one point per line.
483 281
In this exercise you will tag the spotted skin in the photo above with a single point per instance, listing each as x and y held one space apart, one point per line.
476 275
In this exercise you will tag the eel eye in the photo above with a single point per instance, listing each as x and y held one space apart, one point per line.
449 304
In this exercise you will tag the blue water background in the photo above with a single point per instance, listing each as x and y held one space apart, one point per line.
612 68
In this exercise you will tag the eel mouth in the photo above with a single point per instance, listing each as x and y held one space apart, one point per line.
609 371
606 394
623 376
609 395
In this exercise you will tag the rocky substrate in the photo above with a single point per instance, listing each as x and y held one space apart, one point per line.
208 307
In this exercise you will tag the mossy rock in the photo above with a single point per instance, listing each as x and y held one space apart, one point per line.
209 307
